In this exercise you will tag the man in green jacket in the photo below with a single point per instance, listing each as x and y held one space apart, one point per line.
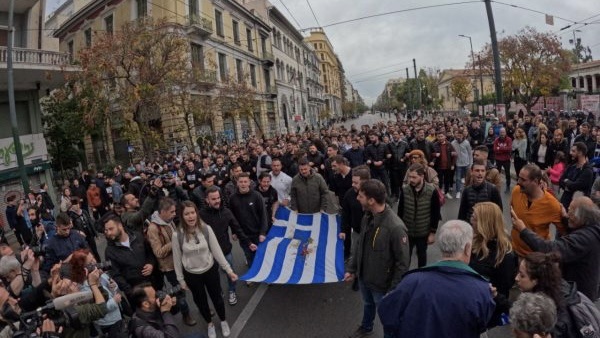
381 256
309 190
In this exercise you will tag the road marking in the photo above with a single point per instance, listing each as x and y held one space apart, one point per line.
242 319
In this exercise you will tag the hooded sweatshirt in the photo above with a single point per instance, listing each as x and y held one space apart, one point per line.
160 234
220 220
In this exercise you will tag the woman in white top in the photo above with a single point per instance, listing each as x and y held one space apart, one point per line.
194 256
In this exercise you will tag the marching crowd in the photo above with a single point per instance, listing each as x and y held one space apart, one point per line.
170 222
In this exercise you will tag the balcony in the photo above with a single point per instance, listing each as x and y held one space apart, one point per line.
35 68
35 57
199 25
268 59
271 92
206 77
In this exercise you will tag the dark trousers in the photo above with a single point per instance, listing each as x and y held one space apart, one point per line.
114 330
199 284
446 177
421 244
519 163
381 174
396 180
348 243
506 166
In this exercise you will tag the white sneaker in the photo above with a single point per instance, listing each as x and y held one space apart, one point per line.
212 333
225 328
448 195
458 195
462 180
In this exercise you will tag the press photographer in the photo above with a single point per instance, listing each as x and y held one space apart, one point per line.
20 276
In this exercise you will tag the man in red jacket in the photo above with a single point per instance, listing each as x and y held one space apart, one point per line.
502 152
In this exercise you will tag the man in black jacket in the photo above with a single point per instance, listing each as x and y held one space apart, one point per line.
579 250
398 163
248 208
221 219
131 257
579 176
480 190
377 154
153 317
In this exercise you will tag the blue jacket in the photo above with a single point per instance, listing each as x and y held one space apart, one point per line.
447 299
59 248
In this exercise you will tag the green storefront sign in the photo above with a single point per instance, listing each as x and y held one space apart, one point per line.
30 169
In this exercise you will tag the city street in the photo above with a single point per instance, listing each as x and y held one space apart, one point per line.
327 310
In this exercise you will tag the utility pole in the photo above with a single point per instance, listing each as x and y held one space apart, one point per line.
475 98
409 91
480 77
11 99
495 52
418 83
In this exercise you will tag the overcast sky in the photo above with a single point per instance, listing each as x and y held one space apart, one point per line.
387 44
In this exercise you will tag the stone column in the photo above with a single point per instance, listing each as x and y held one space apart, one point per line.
594 84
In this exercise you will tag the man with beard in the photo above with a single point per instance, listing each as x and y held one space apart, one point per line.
502 153
309 190
398 147
221 219
281 182
133 217
579 176
355 155
352 212
315 158
381 255
422 144
536 207
480 190
419 208
376 154
153 317
60 246
191 176
464 159
586 138
132 259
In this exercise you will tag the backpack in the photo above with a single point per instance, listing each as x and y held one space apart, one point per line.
585 317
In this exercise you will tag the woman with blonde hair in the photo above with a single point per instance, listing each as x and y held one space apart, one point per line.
431 176
492 254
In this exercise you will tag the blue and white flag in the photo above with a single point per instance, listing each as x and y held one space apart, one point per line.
299 249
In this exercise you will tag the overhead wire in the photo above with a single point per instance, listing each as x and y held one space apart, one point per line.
290 12
313 13
379 68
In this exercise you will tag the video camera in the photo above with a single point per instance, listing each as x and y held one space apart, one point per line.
60 310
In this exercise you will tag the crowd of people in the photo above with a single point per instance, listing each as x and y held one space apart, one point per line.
171 221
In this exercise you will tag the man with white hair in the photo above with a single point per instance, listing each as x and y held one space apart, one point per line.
445 299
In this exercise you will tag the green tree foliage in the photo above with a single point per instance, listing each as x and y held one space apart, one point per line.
63 130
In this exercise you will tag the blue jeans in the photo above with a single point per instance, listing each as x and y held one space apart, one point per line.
229 258
461 173
249 253
371 299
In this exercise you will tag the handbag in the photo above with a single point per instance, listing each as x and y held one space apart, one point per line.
441 196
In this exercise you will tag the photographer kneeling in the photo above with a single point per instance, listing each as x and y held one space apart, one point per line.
153 317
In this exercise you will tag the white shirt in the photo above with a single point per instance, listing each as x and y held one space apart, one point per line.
283 184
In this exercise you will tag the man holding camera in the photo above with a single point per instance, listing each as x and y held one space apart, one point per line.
153 316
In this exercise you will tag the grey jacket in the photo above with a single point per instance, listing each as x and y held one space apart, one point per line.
381 256
308 194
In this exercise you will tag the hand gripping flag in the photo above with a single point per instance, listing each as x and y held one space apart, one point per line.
299 249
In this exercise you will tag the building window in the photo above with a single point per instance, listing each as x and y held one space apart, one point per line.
263 44
249 39
320 46
108 24
70 50
88 37
223 67
219 23
142 8
197 56
267 77
193 7
236 32
239 69
322 56
253 75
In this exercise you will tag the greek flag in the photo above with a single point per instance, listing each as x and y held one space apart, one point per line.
299 249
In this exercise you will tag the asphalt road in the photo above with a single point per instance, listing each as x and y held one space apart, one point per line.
295 311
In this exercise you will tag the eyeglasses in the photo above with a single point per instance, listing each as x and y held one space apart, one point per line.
415 157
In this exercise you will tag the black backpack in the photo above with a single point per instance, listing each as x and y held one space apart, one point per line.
585 317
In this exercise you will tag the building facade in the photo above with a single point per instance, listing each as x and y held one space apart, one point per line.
478 80
585 77
228 42
331 72
314 88
35 71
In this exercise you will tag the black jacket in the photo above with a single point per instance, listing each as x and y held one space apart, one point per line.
398 150
127 263
580 255
249 210
352 212
376 152
425 146
576 179
486 192
153 325
220 220
548 159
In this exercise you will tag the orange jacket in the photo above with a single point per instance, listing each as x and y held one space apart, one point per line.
537 217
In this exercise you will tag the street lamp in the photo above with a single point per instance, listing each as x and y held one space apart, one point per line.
473 64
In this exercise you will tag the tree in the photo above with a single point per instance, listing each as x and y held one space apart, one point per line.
237 98
460 87
131 77
63 129
532 65
407 94
349 108
580 53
